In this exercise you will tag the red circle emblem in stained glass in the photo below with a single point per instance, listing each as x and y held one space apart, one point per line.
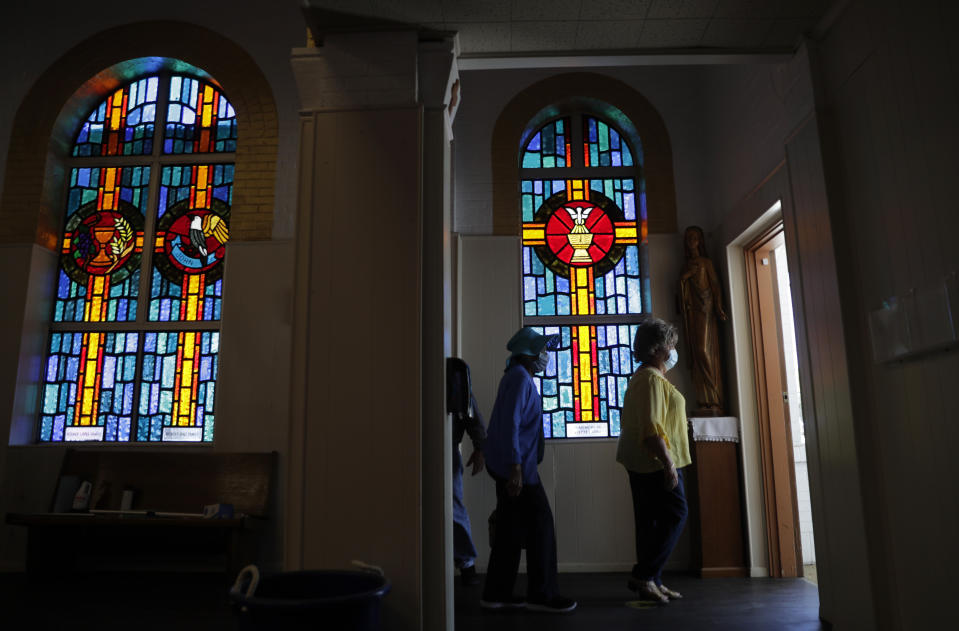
102 242
579 233
196 241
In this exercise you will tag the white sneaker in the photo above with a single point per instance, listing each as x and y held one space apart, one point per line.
513 602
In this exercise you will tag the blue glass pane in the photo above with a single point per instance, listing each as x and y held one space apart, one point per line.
199 119
170 411
605 146
122 125
561 396
85 387
547 148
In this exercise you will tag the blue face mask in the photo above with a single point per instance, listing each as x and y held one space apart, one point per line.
671 360
542 361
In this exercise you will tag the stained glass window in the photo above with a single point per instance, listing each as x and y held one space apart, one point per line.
584 272
88 394
143 248
99 275
199 119
604 145
123 124
549 147
192 230
176 391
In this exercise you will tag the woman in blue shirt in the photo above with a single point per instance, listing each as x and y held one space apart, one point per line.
514 447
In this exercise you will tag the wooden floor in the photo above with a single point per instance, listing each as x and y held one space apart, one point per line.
740 604
198 601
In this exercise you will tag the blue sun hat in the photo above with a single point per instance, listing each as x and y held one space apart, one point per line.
527 341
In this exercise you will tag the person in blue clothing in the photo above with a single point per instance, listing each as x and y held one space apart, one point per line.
514 447
464 552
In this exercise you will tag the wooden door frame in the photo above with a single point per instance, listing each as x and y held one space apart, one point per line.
775 441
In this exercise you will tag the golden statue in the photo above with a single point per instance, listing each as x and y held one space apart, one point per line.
701 305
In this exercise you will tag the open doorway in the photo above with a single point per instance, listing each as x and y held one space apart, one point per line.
782 436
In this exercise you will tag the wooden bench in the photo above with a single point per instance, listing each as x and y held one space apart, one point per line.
164 530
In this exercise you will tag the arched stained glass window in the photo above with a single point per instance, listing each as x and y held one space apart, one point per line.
134 337
583 209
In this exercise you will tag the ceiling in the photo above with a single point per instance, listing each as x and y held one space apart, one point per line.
490 28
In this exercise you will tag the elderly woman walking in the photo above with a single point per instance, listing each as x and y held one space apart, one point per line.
654 447
514 447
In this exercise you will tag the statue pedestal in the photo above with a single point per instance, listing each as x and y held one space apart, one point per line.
715 490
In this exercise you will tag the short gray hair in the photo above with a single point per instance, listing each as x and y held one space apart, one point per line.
653 336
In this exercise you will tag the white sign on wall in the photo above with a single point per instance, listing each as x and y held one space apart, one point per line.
182 434
83 433
586 430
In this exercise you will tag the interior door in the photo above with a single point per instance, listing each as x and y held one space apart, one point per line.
779 486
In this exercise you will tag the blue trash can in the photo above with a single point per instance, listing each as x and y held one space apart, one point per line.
310 599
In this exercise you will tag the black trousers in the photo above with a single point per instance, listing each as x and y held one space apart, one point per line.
660 516
525 521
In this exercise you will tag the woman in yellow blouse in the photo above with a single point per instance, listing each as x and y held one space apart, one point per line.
653 446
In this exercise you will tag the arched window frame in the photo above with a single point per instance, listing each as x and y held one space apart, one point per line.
565 413
182 336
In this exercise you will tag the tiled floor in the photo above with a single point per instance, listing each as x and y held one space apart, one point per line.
740 604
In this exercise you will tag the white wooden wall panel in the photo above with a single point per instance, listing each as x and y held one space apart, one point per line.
846 597
894 94
488 292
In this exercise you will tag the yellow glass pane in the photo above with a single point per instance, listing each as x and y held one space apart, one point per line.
576 189
117 110
585 368
582 301
538 234
586 394
86 407
207 106
191 307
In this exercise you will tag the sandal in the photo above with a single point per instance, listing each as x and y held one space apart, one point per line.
647 590
669 593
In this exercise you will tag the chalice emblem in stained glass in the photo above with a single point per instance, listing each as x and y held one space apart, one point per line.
102 243
579 233
579 237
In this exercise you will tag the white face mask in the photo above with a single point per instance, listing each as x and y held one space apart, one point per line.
542 361
671 359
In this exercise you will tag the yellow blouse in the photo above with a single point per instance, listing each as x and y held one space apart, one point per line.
652 407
